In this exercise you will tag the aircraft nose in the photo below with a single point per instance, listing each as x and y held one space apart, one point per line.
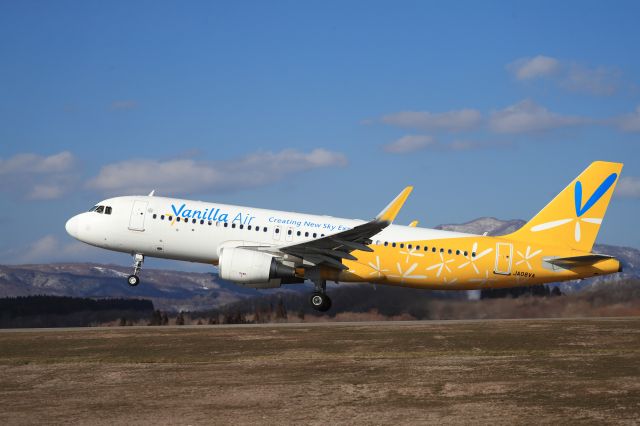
72 227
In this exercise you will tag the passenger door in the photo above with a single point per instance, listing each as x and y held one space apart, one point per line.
504 255
138 212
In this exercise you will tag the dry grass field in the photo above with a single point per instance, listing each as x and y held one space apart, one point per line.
584 371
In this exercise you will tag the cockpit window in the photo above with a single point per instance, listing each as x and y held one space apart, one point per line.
101 209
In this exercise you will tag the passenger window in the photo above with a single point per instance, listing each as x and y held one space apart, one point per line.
306 234
170 217
393 244
386 243
226 224
258 228
433 249
277 230
178 218
193 221
299 233
418 247
264 229
315 235
401 245
241 226
161 217
449 251
155 215
426 248
248 227
466 253
233 225
107 210
441 250
202 222
289 232
458 252
209 223
409 246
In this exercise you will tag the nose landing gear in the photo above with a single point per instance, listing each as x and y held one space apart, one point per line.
133 280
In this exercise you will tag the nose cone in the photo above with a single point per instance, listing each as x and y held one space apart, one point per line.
72 227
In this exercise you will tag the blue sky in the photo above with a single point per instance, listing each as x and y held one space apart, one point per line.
488 108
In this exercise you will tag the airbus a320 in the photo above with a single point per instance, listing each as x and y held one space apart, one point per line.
267 248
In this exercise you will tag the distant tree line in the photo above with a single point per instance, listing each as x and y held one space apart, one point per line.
513 292
62 311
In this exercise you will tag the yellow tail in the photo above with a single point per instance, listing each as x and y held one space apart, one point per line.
573 218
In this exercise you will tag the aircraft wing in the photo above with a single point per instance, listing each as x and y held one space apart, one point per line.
330 250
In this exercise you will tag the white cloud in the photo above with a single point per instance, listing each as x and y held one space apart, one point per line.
530 68
123 105
412 143
526 116
596 81
409 143
48 249
629 186
629 122
38 177
185 176
36 164
569 75
46 191
464 119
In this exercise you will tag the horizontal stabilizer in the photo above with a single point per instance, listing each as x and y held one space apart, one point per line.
585 260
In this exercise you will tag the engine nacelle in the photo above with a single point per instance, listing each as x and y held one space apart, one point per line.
254 268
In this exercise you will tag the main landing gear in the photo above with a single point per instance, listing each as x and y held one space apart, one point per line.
319 299
133 280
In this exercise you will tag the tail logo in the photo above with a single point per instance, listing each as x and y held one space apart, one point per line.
597 194
581 209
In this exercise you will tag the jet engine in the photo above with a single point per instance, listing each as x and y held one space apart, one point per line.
254 268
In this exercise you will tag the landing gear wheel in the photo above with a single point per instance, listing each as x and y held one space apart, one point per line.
320 302
133 280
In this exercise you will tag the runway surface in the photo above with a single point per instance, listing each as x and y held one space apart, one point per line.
446 372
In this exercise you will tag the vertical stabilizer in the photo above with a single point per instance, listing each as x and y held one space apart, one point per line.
573 218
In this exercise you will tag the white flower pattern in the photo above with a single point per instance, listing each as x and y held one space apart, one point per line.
407 273
441 265
527 256
471 259
377 269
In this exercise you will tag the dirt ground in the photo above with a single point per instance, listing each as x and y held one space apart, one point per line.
583 371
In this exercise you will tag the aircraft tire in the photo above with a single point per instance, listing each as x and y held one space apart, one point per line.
320 302
133 280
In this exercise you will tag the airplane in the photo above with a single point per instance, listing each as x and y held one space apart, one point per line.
267 248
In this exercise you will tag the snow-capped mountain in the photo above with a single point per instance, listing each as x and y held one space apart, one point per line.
178 290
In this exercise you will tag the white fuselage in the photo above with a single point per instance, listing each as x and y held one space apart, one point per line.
149 225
